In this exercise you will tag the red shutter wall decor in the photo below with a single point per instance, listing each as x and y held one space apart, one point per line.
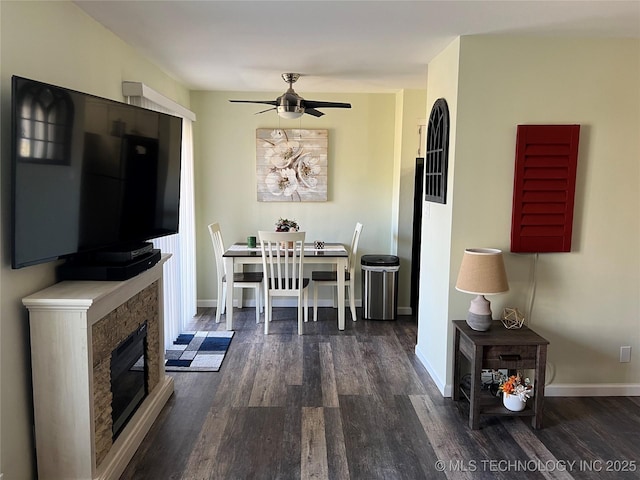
544 188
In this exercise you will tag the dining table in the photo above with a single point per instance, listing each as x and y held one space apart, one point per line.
240 254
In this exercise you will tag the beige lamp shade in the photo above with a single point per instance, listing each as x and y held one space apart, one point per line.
482 272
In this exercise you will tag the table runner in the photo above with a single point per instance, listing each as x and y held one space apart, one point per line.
307 248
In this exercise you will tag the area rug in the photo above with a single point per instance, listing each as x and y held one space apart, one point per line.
200 351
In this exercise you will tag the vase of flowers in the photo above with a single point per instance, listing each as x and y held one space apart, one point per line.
515 392
286 225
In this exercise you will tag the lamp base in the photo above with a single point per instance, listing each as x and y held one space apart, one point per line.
479 317
480 323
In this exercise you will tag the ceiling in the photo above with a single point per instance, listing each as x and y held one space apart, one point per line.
337 46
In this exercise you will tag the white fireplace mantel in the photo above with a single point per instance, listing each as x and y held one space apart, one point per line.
61 318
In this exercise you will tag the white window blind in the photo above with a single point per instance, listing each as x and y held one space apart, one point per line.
180 271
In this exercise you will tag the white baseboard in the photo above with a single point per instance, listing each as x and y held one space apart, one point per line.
289 302
571 389
592 390
278 302
552 390
445 389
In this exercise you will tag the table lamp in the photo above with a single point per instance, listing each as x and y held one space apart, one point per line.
481 273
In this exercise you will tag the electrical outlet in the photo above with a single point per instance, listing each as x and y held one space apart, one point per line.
625 354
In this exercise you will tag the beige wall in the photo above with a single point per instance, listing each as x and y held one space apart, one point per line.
435 257
587 302
361 167
57 43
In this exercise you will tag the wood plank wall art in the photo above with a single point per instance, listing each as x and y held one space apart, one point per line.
291 165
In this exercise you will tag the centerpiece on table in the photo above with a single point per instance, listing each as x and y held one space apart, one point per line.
286 225
515 391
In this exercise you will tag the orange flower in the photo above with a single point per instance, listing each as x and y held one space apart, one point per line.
509 385
515 386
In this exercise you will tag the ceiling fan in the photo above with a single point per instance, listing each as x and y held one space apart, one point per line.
291 105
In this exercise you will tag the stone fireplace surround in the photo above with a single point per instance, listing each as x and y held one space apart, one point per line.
74 326
107 334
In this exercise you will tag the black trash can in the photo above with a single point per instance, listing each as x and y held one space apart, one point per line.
380 287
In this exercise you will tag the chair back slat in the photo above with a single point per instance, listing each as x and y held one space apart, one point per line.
282 259
351 262
218 247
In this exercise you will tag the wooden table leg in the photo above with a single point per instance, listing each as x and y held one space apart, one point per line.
476 386
342 266
538 391
456 367
229 310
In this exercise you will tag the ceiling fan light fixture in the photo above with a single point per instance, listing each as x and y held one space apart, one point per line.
290 112
290 105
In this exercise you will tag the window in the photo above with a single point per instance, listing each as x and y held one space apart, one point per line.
46 119
437 153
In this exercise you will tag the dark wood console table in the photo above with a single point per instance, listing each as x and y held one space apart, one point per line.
498 348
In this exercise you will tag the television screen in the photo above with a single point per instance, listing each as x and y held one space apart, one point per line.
88 173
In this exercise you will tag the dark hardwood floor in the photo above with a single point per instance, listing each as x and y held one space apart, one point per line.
359 405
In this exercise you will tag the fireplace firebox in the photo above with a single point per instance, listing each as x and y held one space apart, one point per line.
128 378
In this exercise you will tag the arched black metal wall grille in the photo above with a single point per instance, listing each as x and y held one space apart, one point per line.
437 153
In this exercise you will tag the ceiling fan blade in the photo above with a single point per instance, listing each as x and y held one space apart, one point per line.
313 111
265 102
267 110
312 104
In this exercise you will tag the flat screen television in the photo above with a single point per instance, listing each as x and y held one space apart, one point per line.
88 174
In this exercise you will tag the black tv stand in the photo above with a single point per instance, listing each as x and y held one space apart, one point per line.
92 269
123 253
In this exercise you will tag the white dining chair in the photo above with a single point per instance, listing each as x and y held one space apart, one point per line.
240 279
282 262
330 278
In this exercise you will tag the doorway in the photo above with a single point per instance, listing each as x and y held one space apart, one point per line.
416 235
